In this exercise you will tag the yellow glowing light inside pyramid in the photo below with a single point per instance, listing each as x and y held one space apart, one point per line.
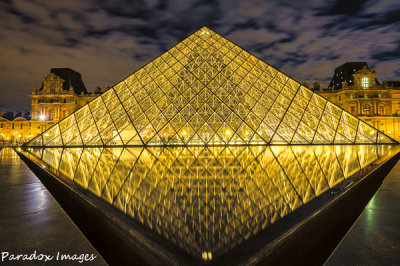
227 132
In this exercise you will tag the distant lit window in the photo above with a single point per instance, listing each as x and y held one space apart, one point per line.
380 95
365 95
340 98
367 109
365 82
52 114
351 96
380 110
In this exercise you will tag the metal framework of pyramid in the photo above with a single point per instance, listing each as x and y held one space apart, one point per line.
208 91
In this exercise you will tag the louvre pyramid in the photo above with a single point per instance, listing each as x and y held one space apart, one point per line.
207 90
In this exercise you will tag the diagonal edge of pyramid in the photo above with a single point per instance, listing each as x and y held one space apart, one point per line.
39 140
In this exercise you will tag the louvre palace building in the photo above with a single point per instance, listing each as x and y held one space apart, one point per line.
355 88
62 91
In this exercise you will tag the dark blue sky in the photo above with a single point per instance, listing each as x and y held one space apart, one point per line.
107 40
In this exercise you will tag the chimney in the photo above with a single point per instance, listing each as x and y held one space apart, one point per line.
317 86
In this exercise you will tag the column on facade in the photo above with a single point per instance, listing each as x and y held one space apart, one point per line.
58 112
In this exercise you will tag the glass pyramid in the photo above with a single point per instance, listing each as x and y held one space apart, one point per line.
208 91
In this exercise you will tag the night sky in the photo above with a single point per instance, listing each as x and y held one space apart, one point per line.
107 40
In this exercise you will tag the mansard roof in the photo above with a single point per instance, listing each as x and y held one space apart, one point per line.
71 78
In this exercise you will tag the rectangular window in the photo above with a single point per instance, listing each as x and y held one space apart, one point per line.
380 110
364 82
21 126
12 126
367 109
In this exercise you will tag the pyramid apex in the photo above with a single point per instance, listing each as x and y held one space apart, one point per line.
205 30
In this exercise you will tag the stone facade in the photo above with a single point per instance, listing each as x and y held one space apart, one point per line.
61 93
19 129
375 103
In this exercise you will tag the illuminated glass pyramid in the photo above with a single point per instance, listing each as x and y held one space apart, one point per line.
207 90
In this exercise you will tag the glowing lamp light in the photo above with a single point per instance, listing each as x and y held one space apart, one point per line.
42 117
206 255
227 132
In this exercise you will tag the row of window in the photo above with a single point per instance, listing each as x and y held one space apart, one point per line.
367 110
14 125
364 96
54 101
